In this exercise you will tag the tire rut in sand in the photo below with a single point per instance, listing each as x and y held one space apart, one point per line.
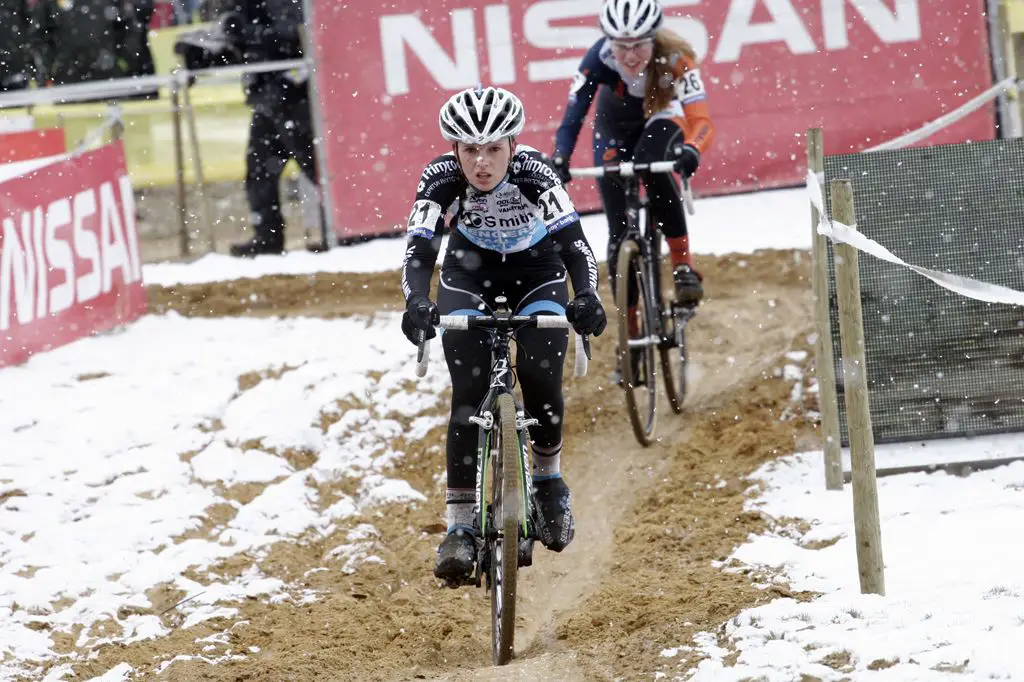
637 578
626 498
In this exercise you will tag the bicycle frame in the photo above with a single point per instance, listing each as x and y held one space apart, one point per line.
502 328
499 413
638 263
648 240
501 382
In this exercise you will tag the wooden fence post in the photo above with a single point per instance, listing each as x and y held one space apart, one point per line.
823 358
867 527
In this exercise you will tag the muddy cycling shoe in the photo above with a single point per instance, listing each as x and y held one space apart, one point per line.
456 555
554 513
689 287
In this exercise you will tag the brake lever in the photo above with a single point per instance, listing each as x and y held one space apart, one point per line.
421 343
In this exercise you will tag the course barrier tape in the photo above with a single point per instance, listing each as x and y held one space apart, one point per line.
846 234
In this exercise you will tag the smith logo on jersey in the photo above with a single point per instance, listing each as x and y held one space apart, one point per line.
529 204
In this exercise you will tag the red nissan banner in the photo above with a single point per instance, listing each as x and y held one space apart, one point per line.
864 70
31 144
69 253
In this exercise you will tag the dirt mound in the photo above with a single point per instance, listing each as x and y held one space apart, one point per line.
637 579
323 295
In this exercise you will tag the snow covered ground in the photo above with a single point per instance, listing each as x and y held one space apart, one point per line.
115 447
105 461
954 603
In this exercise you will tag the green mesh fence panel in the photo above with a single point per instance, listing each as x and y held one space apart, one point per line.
939 365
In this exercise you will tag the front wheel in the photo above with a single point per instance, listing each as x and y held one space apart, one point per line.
673 367
637 326
508 494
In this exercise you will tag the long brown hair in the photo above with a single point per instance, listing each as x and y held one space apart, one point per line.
669 48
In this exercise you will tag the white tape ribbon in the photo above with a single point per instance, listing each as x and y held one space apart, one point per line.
965 286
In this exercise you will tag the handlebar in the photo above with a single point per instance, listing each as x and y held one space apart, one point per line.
511 323
628 169
625 169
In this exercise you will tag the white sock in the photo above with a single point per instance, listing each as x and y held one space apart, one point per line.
547 462
459 509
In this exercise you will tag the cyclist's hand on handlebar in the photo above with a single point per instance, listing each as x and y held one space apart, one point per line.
561 165
586 314
687 159
421 315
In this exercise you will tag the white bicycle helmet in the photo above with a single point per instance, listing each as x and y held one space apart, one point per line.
481 115
630 19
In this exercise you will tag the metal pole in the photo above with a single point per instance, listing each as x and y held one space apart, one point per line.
999 61
866 525
117 126
324 178
179 167
824 367
1011 119
197 168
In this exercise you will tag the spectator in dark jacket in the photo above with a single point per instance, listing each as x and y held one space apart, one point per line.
281 127
18 51
88 40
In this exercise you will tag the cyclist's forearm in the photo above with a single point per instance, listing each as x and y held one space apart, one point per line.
418 267
577 256
572 119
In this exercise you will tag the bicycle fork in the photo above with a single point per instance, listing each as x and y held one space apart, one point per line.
487 454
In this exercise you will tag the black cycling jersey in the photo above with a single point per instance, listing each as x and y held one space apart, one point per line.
528 217
521 240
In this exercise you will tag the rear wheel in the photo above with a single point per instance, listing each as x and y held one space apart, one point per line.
637 351
507 490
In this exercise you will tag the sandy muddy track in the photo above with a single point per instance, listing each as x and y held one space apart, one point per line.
638 577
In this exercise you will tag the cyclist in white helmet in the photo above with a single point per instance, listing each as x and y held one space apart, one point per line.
653 108
513 232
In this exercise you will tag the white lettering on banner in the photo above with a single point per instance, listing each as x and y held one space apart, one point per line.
540 33
400 30
37 242
115 253
87 246
901 25
111 245
500 55
17 262
784 27
462 69
62 296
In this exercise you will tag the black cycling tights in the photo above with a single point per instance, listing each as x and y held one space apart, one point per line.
646 145
538 361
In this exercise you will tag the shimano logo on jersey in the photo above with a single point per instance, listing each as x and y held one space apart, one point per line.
442 166
535 167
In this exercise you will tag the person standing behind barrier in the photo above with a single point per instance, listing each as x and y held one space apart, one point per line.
653 108
281 127
89 40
